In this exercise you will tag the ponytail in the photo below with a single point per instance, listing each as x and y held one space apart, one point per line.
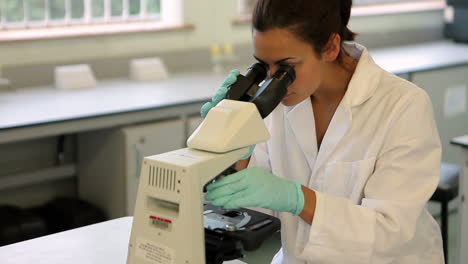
347 34
345 12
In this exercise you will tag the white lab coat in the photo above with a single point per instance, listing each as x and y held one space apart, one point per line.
378 164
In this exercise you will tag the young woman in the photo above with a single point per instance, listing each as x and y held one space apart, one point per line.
354 153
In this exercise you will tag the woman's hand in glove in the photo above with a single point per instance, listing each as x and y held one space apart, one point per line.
258 188
220 93
219 96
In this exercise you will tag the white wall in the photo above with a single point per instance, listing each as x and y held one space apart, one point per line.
213 23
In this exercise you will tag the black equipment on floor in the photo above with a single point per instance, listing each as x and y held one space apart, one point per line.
64 213
17 224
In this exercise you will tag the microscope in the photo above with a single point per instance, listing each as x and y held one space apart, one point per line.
173 224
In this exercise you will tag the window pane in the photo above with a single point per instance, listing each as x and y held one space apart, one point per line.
57 9
116 8
36 10
77 9
98 8
154 7
14 10
134 7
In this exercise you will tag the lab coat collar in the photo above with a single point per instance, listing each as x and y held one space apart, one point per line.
301 118
337 129
365 79
361 87
301 121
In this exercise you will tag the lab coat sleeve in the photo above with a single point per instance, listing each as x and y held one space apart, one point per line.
384 225
260 158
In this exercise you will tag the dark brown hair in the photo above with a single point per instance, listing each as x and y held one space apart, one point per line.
313 21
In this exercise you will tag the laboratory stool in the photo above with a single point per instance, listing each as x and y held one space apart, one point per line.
446 191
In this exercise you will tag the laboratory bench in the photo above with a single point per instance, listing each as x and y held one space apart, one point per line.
120 121
45 111
105 242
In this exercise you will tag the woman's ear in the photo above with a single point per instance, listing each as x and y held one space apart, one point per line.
332 48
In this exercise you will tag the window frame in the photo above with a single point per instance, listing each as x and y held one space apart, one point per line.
170 19
87 18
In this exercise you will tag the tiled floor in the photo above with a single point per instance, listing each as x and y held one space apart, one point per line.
271 246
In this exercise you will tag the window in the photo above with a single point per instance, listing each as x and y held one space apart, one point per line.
46 13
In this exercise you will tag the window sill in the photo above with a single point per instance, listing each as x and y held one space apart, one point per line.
19 35
374 10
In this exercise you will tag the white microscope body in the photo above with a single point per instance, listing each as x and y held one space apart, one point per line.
168 221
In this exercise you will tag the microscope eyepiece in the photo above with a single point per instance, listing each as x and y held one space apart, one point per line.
246 86
273 90
269 95
257 72
286 72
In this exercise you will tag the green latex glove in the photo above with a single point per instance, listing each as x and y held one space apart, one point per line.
219 96
259 188
221 93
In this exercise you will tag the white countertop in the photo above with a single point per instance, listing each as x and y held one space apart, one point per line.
102 243
33 106
95 244
43 105
461 141
421 57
